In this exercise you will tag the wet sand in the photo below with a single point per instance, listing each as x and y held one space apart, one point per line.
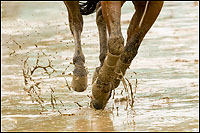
167 67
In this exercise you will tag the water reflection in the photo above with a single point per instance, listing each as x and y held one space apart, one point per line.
95 121
167 97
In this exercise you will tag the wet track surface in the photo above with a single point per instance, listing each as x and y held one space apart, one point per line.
167 67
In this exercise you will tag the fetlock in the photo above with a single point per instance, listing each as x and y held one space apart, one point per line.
111 59
121 67
120 70
106 73
110 63
79 59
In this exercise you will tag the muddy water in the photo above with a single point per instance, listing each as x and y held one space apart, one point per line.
167 67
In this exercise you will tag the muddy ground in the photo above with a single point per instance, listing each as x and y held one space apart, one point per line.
166 67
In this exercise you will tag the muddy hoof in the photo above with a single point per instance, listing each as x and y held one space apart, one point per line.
97 104
116 83
79 81
100 95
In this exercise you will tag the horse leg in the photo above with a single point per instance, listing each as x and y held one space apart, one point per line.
79 81
101 89
122 67
140 24
102 38
101 24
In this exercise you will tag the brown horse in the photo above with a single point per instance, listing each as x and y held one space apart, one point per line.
115 58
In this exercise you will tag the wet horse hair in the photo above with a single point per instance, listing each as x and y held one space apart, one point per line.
115 58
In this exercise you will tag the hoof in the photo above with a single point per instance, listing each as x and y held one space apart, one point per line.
97 104
100 95
79 81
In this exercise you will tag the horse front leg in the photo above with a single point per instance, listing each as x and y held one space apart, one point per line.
144 17
102 87
79 81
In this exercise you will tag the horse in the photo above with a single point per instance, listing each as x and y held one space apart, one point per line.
115 58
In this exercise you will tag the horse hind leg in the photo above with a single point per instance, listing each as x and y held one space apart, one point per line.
138 27
122 67
79 81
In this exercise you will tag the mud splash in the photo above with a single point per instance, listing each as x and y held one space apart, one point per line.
167 97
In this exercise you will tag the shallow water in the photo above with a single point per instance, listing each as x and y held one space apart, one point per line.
167 67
